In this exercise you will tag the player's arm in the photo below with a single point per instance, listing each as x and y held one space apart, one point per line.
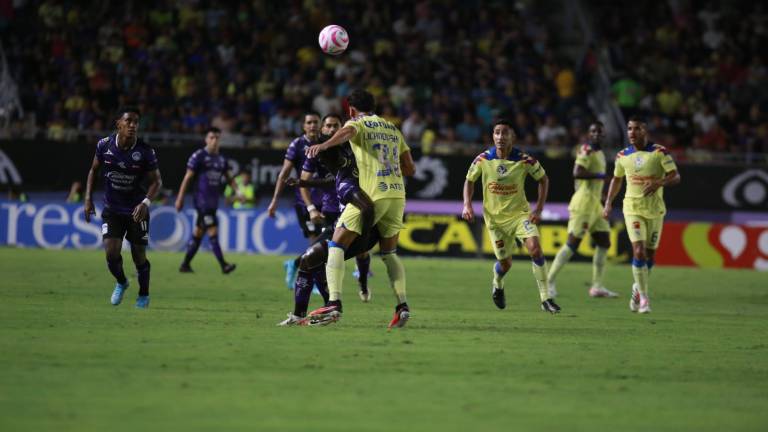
155 183
468 213
183 189
341 136
613 190
325 182
670 179
314 214
407 166
88 207
543 189
284 173
581 173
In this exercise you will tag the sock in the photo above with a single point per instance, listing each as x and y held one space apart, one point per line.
115 266
563 256
363 265
540 274
216 248
396 273
598 266
498 276
302 291
143 271
650 263
321 282
192 246
640 273
334 270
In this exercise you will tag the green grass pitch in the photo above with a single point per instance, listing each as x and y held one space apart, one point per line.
208 356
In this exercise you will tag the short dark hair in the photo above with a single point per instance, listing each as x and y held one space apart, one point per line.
503 121
127 109
213 129
361 100
311 113
637 119
334 115
597 123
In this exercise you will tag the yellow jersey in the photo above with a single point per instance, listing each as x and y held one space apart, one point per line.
588 196
641 166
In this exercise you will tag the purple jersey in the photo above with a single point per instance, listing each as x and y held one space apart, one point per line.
124 172
325 197
295 154
209 170
347 176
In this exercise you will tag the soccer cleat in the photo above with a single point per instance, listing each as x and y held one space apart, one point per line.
324 316
498 298
185 268
117 294
290 273
365 295
142 302
634 300
402 315
601 291
550 306
645 305
293 320
228 268
551 290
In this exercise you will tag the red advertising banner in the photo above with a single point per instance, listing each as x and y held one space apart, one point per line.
714 245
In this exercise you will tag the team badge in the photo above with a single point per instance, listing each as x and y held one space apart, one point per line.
501 170
136 156
639 161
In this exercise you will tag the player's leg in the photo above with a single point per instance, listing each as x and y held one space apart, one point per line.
539 266
577 227
502 241
602 239
363 264
389 222
213 238
311 263
113 230
637 229
291 266
138 236
193 245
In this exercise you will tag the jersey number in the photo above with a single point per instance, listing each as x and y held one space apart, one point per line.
391 167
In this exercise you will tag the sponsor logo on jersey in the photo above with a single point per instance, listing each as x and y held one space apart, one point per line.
136 156
502 189
383 186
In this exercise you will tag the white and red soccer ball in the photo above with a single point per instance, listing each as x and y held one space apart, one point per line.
333 39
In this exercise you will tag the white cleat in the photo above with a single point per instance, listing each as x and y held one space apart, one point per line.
645 305
551 290
634 299
365 296
292 320
601 291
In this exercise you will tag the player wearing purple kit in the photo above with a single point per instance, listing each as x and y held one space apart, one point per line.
127 164
294 160
210 167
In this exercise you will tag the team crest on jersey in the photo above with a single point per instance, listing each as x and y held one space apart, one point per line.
501 170
639 161
136 156
636 225
121 164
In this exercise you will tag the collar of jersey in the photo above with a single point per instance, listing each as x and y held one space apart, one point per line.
514 154
631 149
114 139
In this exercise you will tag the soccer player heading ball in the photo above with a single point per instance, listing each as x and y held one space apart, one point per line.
508 217
649 168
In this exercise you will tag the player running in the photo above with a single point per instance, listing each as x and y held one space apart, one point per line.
383 158
507 216
586 213
650 168
294 160
210 167
127 163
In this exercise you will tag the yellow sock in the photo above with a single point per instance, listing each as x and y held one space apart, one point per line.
563 256
640 273
540 273
396 273
334 272
598 265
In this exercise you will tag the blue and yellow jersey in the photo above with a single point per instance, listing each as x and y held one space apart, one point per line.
641 166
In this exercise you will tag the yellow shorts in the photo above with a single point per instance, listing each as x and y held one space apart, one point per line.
388 217
581 224
644 229
503 235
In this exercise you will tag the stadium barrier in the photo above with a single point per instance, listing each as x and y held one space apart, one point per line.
57 225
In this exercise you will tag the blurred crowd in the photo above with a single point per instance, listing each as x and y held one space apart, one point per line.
698 71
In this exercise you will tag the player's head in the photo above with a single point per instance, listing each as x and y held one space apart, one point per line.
128 121
212 136
360 101
504 135
311 125
637 131
597 132
331 124
332 159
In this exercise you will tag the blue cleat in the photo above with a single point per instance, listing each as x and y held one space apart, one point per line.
290 273
142 302
117 294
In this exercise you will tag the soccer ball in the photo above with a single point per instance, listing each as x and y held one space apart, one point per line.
333 40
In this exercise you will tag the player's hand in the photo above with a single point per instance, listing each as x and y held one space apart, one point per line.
290 181
468 214
272 209
316 217
651 187
607 211
535 217
140 212
313 150
179 204
88 209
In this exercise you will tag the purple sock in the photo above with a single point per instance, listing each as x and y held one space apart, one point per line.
217 250
115 266
143 271
322 284
192 246
363 265
302 290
